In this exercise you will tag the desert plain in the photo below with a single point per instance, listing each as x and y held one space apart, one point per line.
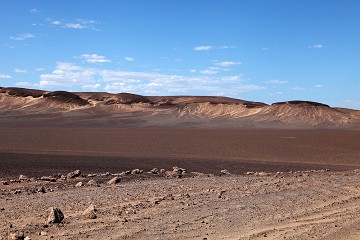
184 168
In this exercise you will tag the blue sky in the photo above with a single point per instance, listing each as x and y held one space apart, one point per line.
258 50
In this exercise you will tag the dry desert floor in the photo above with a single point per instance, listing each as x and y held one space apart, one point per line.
279 184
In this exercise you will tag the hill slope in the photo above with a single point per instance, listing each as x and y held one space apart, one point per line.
126 109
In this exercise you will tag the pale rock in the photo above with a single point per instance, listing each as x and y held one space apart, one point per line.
16 236
92 182
114 180
154 171
23 178
74 174
55 215
225 172
79 184
90 212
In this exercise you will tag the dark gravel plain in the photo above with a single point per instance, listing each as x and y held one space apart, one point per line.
38 151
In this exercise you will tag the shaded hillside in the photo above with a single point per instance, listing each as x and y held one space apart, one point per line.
22 92
303 103
65 97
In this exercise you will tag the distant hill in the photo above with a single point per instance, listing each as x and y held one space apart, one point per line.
30 106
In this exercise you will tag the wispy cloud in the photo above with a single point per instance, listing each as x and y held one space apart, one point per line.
317 46
218 68
39 69
227 63
22 37
24 84
297 89
129 59
70 75
34 10
67 75
276 93
5 76
18 70
203 48
94 58
276 81
210 47
208 71
225 47
319 86
76 24
91 87
57 22
354 104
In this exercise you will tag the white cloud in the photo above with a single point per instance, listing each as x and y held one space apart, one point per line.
276 93
209 47
209 71
319 86
91 87
56 22
24 84
276 81
227 63
75 24
39 69
317 46
235 78
22 37
203 48
67 75
129 59
73 76
34 10
225 47
94 58
5 76
297 88
17 70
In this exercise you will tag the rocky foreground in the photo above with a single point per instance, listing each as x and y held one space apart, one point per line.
160 204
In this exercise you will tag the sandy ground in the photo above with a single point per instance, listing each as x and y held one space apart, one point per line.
298 205
298 202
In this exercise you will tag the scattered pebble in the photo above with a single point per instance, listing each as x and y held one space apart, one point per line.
79 184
